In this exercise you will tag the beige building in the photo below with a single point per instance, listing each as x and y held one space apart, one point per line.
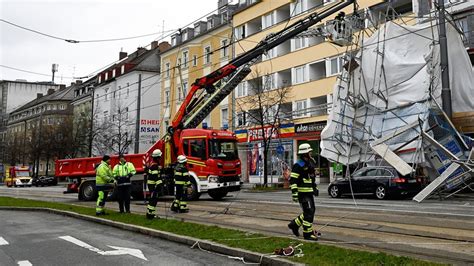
308 67
196 51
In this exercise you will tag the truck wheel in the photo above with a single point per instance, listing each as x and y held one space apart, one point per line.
217 195
88 192
193 193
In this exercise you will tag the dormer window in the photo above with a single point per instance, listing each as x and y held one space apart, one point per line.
113 73
106 75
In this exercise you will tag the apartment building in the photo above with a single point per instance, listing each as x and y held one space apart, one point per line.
197 51
307 66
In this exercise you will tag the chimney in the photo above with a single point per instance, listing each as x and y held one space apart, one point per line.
163 46
122 55
39 95
154 44
50 91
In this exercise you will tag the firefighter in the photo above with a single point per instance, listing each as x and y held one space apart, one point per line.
303 189
181 182
154 183
123 171
104 181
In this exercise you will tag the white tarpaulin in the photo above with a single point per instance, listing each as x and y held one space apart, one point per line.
398 69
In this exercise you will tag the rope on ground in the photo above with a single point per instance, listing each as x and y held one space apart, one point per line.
196 244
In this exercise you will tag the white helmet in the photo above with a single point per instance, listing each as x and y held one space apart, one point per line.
156 153
304 148
182 159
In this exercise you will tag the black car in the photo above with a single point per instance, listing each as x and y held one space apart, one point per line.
45 181
381 181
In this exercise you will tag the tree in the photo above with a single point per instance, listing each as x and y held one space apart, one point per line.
13 149
264 110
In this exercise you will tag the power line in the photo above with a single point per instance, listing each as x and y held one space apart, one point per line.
82 41
32 72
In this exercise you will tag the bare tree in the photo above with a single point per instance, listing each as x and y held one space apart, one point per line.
263 109
13 149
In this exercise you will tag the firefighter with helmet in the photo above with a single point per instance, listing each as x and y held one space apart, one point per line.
154 183
181 182
303 189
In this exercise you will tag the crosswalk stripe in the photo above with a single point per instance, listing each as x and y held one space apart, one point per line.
3 242
24 263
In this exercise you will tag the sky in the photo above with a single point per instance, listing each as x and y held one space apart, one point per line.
84 20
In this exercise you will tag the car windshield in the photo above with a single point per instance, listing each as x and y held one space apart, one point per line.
22 174
223 149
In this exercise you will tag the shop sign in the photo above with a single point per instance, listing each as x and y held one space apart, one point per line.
253 134
309 127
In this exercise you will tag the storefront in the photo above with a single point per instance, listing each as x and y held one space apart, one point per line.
311 133
280 153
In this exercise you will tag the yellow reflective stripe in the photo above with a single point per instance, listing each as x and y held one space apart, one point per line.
294 194
196 162
307 181
292 186
159 182
154 172
305 189
179 182
151 182
151 208
178 173
295 175
305 223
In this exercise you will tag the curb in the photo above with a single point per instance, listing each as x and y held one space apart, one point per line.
247 256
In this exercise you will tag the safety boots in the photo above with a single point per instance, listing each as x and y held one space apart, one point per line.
294 228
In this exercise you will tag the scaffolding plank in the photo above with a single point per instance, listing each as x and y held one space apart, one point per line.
436 183
395 133
391 158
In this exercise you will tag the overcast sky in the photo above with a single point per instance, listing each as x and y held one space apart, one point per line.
84 20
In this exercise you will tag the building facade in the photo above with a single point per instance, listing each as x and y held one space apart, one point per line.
14 94
307 67
197 51
117 125
39 132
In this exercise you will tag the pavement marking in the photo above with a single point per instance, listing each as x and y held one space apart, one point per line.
3 242
24 263
117 250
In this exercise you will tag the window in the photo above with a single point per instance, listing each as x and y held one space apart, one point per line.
122 69
186 147
120 91
50 121
179 62
267 20
301 108
106 75
207 55
299 74
242 89
167 98
268 82
185 88
195 60
464 28
62 106
225 48
115 94
126 113
224 118
113 73
270 54
297 7
241 119
335 65
128 89
106 95
167 69
185 58
198 148
299 43
106 114
240 32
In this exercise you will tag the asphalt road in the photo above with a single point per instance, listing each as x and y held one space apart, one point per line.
50 239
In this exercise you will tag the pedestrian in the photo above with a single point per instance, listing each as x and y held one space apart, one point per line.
104 182
154 183
123 171
303 189
181 182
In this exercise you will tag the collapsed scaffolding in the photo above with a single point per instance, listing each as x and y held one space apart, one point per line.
387 102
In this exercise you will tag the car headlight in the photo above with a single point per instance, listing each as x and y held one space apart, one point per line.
213 178
18 181
31 181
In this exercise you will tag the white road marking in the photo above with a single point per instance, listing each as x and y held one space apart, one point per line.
117 250
3 242
24 263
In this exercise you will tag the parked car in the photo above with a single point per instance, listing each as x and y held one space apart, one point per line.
381 181
45 181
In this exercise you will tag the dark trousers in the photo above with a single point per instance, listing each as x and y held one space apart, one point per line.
180 204
155 190
307 217
123 197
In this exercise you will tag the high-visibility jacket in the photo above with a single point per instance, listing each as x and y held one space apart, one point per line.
154 174
122 171
104 174
181 175
301 178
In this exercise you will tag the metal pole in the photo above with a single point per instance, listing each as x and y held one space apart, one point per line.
24 144
137 125
446 91
92 123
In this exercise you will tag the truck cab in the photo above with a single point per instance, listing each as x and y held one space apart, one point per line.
213 160
18 176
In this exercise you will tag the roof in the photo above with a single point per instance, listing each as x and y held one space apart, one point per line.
63 94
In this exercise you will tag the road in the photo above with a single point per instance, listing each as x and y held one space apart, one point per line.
49 239
439 231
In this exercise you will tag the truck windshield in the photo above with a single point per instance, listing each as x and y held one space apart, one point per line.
223 149
22 173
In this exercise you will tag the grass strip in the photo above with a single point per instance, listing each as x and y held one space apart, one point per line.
314 253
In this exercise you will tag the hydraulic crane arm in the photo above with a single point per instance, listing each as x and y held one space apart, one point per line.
187 108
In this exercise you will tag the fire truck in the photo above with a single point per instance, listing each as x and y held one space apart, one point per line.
18 176
212 154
